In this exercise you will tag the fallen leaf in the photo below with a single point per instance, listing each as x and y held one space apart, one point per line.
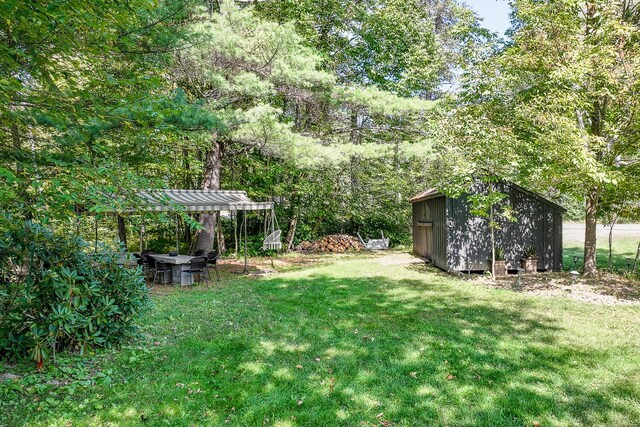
317 359
536 424
413 374
450 377
299 366
300 402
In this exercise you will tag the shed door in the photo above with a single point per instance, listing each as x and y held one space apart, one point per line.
429 239
427 231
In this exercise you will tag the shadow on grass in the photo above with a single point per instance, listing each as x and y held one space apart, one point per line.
360 351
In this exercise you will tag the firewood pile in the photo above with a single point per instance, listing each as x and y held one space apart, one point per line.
333 243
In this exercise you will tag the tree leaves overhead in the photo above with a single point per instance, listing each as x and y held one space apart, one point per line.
406 46
85 96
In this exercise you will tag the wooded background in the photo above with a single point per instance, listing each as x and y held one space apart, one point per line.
338 110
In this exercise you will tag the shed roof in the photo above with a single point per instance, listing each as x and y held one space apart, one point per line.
426 194
432 192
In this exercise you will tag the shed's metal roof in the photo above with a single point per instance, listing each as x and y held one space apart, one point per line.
426 194
432 192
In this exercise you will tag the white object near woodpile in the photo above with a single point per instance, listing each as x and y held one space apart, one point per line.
375 244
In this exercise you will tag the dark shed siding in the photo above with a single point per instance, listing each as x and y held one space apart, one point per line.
430 239
557 252
439 214
461 240
469 244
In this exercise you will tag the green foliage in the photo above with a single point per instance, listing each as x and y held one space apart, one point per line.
358 340
85 105
406 47
55 296
556 109
499 254
530 252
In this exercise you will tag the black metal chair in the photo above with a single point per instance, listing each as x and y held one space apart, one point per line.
155 267
199 252
212 259
198 267
139 259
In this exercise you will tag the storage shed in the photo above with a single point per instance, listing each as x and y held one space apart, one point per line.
447 233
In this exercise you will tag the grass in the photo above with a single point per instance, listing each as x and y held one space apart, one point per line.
624 249
359 341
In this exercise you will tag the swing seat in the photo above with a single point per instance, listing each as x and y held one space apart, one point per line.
272 242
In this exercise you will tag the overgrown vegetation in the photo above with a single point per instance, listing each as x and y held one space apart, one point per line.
55 296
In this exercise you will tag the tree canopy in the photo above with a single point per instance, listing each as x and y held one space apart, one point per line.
341 110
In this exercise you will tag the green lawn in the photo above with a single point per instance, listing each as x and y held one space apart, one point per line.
624 249
360 341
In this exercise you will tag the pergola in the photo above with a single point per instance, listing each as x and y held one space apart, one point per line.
199 201
202 201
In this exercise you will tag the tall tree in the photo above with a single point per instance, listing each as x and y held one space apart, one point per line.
241 66
409 47
274 99
83 99
566 88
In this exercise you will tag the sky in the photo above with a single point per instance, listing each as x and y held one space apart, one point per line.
495 14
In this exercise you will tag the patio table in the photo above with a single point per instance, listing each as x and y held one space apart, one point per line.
127 260
179 264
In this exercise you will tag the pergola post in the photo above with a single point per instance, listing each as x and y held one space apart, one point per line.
177 236
245 271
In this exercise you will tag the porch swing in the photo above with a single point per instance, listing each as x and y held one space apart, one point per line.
273 240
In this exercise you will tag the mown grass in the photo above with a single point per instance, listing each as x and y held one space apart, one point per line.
623 252
355 342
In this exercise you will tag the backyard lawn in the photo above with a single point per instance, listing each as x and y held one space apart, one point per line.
358 340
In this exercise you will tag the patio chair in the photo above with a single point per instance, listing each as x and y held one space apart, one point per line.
198 267
199 252
212 259
155 267
139 258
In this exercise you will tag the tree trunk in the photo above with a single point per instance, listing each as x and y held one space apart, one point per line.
211 181
222 247
591 225
122 231
493 243
292 232
612 224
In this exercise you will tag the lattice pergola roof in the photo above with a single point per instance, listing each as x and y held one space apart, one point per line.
199 201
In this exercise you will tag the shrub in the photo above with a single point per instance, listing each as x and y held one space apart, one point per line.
530 252
55 296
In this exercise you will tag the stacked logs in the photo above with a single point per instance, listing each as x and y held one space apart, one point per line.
333 243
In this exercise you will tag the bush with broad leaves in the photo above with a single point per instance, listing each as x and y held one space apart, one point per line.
55 295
